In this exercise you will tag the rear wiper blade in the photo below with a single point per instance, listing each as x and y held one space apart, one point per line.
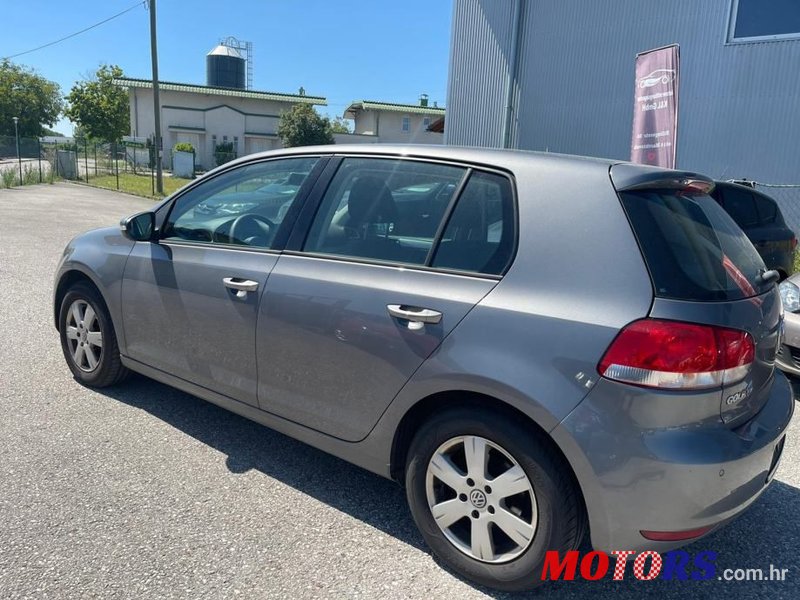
765 277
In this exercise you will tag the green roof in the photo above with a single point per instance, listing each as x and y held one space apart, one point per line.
220 91
394 107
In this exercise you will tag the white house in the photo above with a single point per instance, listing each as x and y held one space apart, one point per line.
206 116
389 122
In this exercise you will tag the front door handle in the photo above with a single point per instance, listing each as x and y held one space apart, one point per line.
414 314
240 286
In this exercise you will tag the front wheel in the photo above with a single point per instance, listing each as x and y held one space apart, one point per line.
490 498
88 339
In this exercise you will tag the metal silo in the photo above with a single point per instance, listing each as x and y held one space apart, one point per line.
225 67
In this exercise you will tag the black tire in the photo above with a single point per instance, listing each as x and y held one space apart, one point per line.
109 369
561 522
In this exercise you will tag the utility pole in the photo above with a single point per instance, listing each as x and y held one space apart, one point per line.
19 157
156 100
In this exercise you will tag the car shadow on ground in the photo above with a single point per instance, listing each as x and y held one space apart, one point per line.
764 536
372 499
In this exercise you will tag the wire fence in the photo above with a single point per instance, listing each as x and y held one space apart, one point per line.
126 166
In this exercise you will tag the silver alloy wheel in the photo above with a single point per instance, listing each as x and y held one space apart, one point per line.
481 499
84 337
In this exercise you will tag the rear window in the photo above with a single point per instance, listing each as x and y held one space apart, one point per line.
692 247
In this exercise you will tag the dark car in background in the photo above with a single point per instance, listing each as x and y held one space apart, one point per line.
762 221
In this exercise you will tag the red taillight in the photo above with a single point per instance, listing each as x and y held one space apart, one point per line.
676 536
675 355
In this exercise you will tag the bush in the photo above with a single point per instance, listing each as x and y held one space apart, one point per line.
9 177
224 153
184 147
30 175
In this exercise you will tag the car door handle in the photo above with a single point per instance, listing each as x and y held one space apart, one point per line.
240 285
413 313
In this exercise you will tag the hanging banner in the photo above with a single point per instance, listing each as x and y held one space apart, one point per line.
655 116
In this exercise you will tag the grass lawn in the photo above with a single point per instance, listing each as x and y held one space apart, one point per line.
796 262
139 185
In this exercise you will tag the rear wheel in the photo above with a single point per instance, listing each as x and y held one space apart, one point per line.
88 339
490 498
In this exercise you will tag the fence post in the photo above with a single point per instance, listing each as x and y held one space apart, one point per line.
95 159
86 157
116 164
153 181
39 141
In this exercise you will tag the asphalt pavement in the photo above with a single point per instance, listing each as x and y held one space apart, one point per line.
142 491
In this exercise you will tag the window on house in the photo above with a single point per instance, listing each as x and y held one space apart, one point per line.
406 124
764 20
426 122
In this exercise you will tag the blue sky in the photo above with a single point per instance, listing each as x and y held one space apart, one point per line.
342 49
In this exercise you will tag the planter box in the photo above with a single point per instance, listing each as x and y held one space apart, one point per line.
183 164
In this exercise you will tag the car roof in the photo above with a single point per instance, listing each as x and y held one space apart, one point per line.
503 159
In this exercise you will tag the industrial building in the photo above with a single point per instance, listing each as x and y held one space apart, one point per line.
558 76
224 111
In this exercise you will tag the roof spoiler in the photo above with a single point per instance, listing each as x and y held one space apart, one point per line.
628 177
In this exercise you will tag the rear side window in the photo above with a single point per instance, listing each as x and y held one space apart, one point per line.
740 205
692 247
479 235
767 211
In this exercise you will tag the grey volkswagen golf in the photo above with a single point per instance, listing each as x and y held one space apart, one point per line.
538 347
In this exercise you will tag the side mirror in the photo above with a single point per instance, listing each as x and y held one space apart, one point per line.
140 227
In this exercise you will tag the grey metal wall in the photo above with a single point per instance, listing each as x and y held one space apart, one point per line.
480 49
739 103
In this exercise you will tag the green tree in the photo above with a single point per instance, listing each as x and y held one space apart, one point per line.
99 107
303 126
24 94
339 125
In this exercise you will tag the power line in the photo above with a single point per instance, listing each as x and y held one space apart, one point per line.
72 35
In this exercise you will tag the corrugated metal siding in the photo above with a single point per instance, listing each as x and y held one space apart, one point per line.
479 54
738 102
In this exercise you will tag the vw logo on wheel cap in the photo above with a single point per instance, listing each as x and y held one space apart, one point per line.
478 498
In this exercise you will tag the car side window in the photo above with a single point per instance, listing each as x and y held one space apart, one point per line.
479 236
767 210
383 209
244 206
740 205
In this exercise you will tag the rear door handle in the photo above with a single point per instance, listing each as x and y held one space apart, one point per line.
414 313
241 286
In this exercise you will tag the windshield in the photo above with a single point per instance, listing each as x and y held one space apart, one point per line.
692 247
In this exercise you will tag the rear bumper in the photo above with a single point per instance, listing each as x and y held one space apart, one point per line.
681 478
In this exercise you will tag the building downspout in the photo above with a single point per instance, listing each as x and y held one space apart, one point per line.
508 112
